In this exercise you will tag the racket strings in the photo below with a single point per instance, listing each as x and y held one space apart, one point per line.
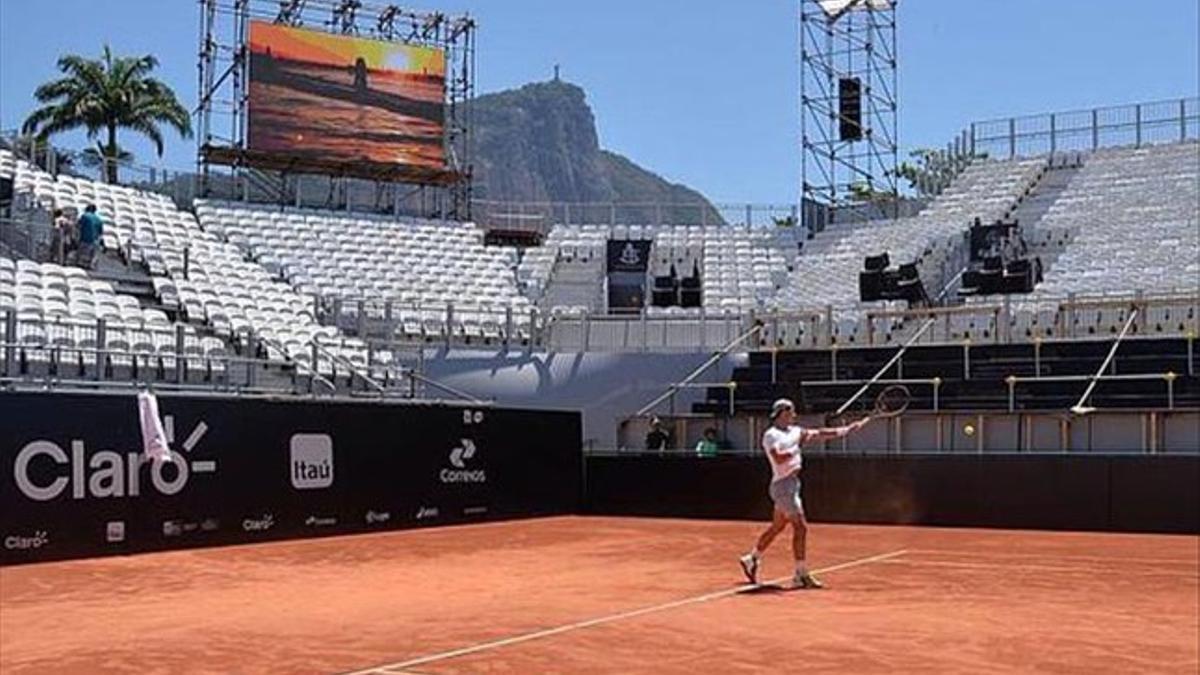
892 400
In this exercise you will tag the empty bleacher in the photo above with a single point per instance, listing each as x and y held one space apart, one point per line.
1051 376
741 268
208 282
827 272
1130 216
419 268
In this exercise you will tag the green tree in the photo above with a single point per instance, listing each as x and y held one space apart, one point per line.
104 95
864 192
930 171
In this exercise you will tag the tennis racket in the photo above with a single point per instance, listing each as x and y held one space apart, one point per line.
890 402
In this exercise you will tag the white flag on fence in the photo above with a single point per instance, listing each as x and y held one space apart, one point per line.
154 438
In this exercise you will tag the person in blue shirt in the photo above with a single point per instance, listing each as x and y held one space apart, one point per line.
91 231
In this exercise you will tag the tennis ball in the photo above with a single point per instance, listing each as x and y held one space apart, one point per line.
969 430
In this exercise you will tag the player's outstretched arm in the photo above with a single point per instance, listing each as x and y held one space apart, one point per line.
827 433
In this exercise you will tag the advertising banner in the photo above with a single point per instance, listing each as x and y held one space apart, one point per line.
75 482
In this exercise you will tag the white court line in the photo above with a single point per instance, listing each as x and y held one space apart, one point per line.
391 669
1017 566
1057 556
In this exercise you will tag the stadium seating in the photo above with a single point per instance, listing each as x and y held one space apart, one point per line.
1130 215
827 272
58 309
978 384
741 267
421 267
215 285
1106 224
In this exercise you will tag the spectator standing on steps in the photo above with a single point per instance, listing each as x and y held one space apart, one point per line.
91 232
60 237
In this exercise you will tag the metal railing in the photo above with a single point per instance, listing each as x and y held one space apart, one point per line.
1075 317
541 216
26 238
51 366
41 353
1168 378
946 432
1009 320
691 378
1135 125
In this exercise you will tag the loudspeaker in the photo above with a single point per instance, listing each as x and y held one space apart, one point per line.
664 298
870 286
850 109
689 297
876 263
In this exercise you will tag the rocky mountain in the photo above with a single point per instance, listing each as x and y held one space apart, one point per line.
539 144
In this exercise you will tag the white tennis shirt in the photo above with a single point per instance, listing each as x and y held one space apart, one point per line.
785 442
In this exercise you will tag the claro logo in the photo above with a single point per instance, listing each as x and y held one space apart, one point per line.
266 522
44 471
460 455
16 542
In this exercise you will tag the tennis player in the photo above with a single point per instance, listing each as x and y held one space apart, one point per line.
782 444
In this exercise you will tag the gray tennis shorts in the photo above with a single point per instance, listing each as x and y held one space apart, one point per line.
785 493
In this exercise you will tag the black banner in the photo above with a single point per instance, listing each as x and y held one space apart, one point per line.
628 255
628 261
74 481
1059 492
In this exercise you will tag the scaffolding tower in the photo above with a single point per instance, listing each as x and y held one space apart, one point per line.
848 100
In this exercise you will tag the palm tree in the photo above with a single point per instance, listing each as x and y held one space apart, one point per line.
104 95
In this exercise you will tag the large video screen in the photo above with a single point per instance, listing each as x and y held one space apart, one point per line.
322 99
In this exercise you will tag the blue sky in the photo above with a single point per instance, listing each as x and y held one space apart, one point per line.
703 92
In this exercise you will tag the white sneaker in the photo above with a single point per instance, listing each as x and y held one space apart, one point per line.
750 567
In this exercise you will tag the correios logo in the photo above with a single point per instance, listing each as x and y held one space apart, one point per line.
266 522
16 542
312 461
459 456
106 473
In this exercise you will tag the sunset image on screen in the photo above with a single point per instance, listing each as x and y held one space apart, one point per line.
331 98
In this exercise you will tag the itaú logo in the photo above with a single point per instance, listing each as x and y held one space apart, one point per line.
104 474
459 456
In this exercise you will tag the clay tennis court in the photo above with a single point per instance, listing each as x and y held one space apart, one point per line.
615 595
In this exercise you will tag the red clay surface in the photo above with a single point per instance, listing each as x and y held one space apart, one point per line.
614 595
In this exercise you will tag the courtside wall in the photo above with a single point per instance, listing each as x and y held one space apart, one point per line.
1032 491
74 481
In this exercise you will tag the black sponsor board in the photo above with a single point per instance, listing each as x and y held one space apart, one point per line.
628 255
1125 493
628 260
74 481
